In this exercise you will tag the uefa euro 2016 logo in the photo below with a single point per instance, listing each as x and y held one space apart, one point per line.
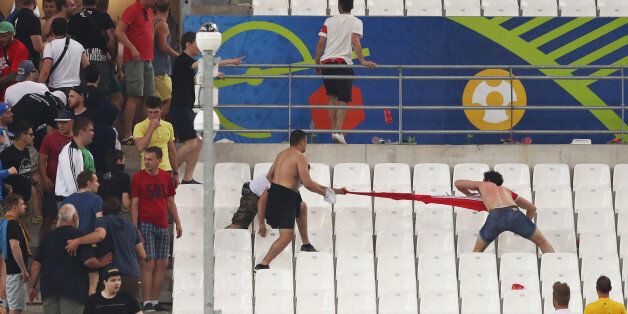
494 93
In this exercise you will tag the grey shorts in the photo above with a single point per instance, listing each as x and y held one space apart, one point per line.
61 305
156 241
506 219
139 78
16 292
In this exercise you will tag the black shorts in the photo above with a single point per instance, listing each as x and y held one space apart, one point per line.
50 205
282 207
182 120
340 88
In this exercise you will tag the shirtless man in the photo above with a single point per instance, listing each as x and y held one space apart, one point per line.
289 170
504 213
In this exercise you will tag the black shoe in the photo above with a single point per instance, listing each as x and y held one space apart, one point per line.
149 307
261 267
308 248
190 182
161 308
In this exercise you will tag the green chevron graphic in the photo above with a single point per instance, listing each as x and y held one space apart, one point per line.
529 51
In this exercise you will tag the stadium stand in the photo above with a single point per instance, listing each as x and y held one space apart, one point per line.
424 8
577 8
500 7
462 7
612 7
270 7
385 7
308 7
539 8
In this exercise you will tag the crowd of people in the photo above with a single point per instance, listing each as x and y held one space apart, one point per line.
75 86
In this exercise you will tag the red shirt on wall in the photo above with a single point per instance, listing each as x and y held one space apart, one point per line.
140 32
153 193
51 146
10 58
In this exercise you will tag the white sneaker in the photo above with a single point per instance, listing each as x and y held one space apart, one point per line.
338 138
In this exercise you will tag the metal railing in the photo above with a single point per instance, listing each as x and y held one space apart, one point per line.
401 77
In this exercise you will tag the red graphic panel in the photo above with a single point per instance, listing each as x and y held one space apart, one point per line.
321 116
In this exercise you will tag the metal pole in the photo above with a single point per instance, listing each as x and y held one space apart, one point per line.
400 104
512 115
623 104
289 99
208 180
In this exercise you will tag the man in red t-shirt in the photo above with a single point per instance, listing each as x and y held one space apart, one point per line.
152 199
48 160
135 32
12 52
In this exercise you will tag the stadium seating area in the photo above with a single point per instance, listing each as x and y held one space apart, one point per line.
405 258
446 7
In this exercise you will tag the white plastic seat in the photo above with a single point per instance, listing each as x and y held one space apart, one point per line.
313 200
467 171
354 280
354 241
424 8
385 8
227 197
321 239
394 241
430 174
550 175
273 279
539 8
317 218
238 276
528 279
575 302
222 218
320 173
486 302
271 300
616 8
577 8
187 301
352 174
434 218
270 7
621 200
230 173
588 285
518 262
192 260
359 8
593 198
232 301
348 220
316 301
513 174
433 190
189 195
354 201
399 220
571 278
308 7
436 262
555 262
187 279
234 240
398 302
435 240
380 203
602 262
500 8
555 219
622 223
396 272
192 236
261 245
230 261
462 7
553 197
282 261
470 220
594 242
193 217
439 302
522 302
261 169
509 242
439 280
620 171
354 302
524 191
355 261
591 175
563 241
596 219
473 262
466 242
314 272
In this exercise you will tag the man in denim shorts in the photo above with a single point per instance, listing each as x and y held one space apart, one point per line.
503 206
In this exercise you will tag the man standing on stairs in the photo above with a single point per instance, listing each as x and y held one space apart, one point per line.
284 201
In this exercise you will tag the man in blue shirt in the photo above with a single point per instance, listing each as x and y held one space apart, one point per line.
88 204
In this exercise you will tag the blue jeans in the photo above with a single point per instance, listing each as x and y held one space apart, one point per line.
506 219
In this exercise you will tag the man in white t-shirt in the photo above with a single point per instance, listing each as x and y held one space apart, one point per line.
336 38
27 76
67 74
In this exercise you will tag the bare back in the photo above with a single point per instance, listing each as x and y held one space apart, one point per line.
286 168
494 196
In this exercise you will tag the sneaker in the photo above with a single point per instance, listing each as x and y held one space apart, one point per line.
308 248
338 138
37 220
261 267
190 182
161 308
149 307
130 141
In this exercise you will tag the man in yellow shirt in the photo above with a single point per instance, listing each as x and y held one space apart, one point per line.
604 305
154 131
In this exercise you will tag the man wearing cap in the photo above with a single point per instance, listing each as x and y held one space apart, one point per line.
48 160
76 102
111 300
64 278
25 83
12 52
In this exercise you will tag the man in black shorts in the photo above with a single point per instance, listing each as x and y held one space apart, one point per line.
336 38
289 170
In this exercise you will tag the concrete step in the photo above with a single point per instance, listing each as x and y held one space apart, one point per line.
228 9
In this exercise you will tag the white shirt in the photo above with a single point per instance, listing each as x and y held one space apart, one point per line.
338 30
16 91
67 72
258 185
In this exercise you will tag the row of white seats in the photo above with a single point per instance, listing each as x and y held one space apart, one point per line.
434 175
450 7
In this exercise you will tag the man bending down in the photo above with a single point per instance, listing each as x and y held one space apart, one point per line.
503 206
284 202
